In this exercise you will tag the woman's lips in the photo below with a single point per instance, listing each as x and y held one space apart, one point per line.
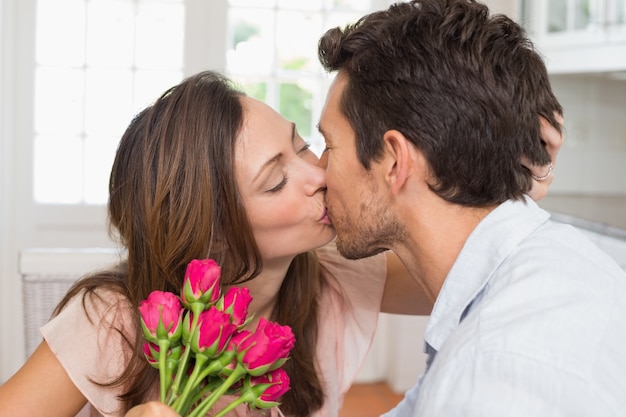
325 219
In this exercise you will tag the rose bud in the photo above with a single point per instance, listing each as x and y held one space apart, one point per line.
272 386
236 302
151 352
213 333
161 317
266 349
201 283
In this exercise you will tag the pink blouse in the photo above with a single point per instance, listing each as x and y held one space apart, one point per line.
350 302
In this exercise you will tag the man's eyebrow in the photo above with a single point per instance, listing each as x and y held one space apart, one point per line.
319 128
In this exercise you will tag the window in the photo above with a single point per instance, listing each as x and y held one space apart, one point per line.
272 53
98 62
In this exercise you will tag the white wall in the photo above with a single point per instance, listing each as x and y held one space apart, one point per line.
593 158
11 323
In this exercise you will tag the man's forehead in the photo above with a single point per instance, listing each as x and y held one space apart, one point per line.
331 110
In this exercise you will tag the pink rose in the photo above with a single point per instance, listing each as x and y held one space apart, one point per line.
236 302
161 317
231 349
266 349
213 332
279 381
201 283
151 352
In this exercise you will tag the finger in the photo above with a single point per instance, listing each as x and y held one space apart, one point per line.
551 136
538 172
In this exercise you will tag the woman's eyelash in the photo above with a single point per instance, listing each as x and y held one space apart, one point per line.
281 184
306 147
278 186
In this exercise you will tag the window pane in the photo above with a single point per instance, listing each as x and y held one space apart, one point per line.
339 19
253 3
110 33
300 4
59 101
150 84
251 39
99 155
58 169
557 15
160 35
358 5
296 101
109 99
253 88
278 63
583 15
60 32
297 35
134 51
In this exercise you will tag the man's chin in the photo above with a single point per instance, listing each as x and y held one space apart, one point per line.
356 250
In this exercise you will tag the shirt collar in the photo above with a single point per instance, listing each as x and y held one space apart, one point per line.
485 249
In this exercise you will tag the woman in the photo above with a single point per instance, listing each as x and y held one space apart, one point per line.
206 172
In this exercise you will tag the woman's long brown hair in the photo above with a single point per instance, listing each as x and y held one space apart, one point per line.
173 197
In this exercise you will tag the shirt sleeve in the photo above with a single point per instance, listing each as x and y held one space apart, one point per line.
349 307
87 337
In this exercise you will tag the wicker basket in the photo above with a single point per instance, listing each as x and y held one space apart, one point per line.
47 274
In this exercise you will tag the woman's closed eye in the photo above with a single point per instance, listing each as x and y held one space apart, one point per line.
279 186
304 148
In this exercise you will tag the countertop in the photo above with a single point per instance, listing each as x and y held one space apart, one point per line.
601 214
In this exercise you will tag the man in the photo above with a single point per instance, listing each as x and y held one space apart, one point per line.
433 108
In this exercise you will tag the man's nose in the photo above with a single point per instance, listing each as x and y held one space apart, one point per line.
323 161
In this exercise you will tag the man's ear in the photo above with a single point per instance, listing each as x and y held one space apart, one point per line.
399 160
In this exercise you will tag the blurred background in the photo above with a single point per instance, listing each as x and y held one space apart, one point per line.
74 72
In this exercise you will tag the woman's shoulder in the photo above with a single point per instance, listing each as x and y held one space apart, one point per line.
93 308
90 336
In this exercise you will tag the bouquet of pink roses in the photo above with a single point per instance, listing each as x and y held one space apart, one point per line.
198 343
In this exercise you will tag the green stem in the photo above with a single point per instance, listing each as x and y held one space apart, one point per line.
211 369
180 403
207 389
245 397
180 371
164 346
203 408
214 367
196 309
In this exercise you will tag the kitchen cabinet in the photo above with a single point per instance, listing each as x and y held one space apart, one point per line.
578 36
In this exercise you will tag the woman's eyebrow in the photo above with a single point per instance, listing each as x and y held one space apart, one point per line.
276 157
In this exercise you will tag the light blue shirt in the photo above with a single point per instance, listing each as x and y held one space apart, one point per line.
530 322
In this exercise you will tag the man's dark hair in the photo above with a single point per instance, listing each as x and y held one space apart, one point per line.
466 88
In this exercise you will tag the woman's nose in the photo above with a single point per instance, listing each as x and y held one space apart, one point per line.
316 179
